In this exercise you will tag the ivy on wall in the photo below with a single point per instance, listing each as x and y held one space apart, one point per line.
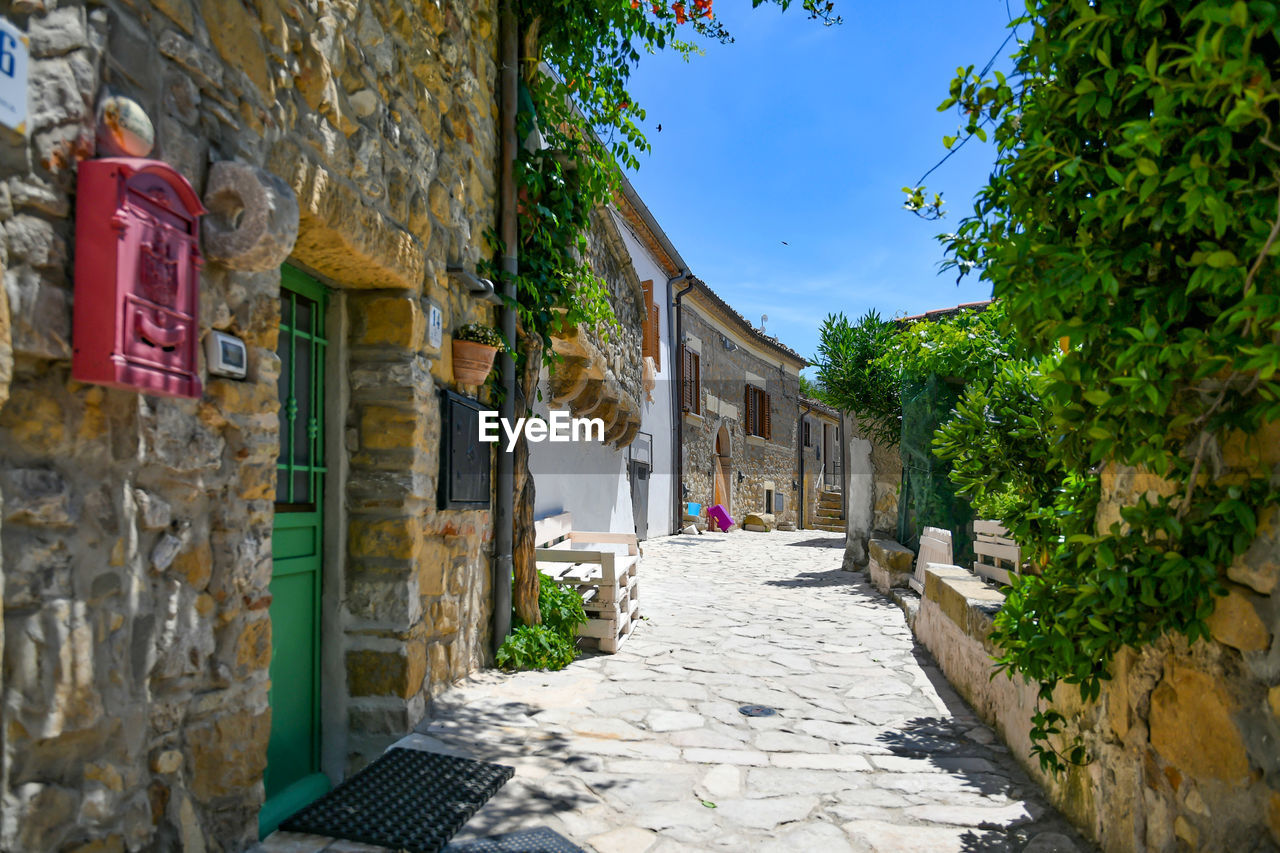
1133 211
589 123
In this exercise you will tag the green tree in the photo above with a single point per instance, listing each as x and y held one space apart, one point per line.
1133 213
854 375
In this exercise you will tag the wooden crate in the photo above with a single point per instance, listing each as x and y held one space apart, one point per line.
602 568
997 555
935 547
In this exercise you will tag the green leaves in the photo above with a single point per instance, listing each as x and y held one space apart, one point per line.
1135 190
551 645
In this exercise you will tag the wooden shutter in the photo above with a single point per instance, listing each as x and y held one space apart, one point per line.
689 380
748 419
765 405
655 336
697 382
686 368
650 348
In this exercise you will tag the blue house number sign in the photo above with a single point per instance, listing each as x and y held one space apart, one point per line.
13 76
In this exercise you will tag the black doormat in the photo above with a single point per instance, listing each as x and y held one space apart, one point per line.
540 840
406 800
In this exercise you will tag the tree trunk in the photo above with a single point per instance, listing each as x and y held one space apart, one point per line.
524 567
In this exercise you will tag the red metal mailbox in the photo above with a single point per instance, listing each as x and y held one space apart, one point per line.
137 277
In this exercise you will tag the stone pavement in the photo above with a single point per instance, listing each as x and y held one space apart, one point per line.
645 751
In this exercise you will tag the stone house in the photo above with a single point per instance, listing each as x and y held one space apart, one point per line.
739 397
625 483
155 551
820 466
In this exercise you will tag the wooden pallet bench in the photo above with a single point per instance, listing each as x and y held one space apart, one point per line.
997 554
602 567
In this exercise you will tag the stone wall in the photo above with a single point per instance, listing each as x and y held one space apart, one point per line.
873 480
600 371
1183 736
137 530
764 464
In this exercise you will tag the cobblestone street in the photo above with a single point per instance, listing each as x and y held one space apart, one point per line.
646 750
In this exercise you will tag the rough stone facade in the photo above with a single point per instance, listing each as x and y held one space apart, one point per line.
1183 738
137 531
731 355
821 464
873 483
600 374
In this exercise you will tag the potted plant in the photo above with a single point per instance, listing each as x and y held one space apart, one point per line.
474 346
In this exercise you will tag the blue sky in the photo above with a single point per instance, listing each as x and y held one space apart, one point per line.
807 134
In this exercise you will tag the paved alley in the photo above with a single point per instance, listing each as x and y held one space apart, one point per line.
646 750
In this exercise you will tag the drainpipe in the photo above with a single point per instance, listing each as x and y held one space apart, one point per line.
803 415
504 529
844 479
677 458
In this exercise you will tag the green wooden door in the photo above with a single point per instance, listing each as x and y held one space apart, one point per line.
293 776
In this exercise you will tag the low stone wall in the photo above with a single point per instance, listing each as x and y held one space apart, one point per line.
1182 739
890 565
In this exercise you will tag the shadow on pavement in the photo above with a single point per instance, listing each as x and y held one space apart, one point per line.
833 542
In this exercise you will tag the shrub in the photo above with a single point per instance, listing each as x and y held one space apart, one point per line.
553 644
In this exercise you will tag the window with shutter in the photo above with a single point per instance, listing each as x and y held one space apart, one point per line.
649 348
755 413
690 396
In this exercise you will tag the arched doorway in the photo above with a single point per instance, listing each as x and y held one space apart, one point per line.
720 470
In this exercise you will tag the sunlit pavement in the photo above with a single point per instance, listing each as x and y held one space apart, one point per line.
646 750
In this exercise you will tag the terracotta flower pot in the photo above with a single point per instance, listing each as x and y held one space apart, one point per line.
472 362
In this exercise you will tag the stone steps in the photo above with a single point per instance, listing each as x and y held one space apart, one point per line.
822 524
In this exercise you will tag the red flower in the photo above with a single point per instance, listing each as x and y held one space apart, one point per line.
704 6
678 8
657 9
635 4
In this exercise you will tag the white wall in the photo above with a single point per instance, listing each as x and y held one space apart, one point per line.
655 415
586 478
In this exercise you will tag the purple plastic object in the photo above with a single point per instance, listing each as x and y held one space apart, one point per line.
721 515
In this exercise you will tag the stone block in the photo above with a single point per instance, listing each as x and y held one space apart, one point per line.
1259 567
154 512
757 523
1235 620
60 31
236 37
37 497
40 314
387 428
228 754
386 538
194 565
395 321
252 223
889 565
964 598
384 598
891 556
199 62
444 618
376 672
45 815
178 11
1192 726
253 646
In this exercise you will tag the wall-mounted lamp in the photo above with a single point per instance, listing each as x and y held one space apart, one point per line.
740 477
727 344
481 289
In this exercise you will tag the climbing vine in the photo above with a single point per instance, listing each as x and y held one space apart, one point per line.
579 126
1132 220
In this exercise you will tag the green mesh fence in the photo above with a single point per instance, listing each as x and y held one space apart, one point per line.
927 497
